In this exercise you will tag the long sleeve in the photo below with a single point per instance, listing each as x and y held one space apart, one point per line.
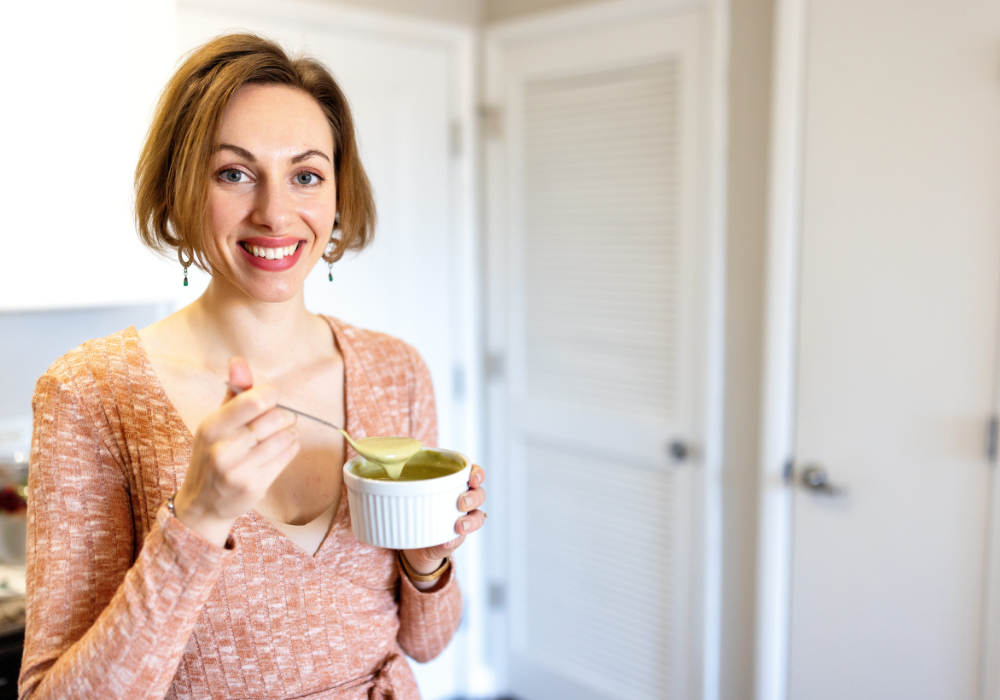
427 620
101 621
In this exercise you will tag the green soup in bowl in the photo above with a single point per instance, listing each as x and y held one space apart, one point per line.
426 464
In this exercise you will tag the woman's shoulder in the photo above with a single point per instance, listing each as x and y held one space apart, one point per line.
93 383
97 375
374 345
97 358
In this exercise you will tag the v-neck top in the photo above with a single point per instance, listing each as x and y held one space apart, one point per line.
124 601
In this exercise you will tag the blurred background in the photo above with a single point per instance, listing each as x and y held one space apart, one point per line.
710 287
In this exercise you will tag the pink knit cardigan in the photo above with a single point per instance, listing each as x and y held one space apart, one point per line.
126 602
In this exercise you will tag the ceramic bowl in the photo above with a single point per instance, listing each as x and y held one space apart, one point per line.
406 514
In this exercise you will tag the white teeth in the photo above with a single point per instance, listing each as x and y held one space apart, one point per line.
271 253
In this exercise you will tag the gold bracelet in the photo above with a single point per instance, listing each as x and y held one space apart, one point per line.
422 578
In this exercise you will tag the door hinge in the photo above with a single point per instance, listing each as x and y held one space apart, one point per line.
456 138
992 436
497 596
458 382
491 117
788 470
494 365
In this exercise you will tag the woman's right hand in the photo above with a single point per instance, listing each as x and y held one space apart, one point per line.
239 450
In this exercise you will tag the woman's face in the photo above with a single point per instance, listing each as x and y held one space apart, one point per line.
272 197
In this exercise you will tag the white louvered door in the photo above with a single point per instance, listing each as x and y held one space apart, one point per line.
598 296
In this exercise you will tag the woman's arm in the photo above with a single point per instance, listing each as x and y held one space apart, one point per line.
427 619
99 625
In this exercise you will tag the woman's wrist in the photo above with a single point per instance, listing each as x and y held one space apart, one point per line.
421 569
429 574
213 529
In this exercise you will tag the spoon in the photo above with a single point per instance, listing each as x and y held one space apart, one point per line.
390 453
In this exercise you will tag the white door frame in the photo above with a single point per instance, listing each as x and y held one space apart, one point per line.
704 642
989 660
774 553
461 43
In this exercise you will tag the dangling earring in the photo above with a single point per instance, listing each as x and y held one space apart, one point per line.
185 263
333 244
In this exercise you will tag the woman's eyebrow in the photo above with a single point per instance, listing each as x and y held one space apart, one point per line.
241 152
244 153
309 154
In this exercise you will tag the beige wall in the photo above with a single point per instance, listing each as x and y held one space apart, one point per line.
474 12
461 11
497 10
749 125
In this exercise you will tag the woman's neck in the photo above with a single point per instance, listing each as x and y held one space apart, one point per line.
272 337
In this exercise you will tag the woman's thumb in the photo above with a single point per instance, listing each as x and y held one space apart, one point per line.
239 377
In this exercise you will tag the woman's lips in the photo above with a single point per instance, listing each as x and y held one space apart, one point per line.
271 254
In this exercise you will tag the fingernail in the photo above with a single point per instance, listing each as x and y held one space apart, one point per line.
466 501
466 525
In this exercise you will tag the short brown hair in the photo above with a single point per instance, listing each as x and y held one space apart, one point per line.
172 177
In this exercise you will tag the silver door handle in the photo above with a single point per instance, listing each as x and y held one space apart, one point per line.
816 479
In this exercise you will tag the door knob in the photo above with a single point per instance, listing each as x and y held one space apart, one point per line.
678 451
816 479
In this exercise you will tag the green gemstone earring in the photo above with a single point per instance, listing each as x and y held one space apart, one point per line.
331 272
185 263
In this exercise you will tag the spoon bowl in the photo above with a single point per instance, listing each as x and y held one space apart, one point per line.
391 453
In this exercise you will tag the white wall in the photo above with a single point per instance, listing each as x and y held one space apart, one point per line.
80 81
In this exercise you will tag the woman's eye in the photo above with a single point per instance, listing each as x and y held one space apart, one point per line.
307 179
233 175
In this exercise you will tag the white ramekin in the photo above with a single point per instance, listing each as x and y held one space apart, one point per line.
406 514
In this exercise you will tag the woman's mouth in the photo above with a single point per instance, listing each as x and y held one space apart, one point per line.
272 254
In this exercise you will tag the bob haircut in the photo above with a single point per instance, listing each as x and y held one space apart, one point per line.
172 177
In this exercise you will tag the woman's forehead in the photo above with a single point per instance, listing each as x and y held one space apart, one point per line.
275 120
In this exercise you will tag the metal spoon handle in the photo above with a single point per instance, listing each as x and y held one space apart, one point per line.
236 390
306 415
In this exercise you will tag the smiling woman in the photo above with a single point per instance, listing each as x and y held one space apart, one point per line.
183 548
185 153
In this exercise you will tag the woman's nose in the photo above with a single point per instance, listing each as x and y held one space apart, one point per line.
272 206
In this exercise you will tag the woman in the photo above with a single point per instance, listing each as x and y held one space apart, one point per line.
185 549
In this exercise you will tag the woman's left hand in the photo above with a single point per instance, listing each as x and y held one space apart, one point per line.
429 559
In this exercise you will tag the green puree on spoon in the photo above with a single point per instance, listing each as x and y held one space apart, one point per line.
390 453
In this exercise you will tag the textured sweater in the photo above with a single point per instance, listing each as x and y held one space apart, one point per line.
124 601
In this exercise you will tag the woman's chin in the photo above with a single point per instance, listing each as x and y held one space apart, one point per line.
270 291
276 293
